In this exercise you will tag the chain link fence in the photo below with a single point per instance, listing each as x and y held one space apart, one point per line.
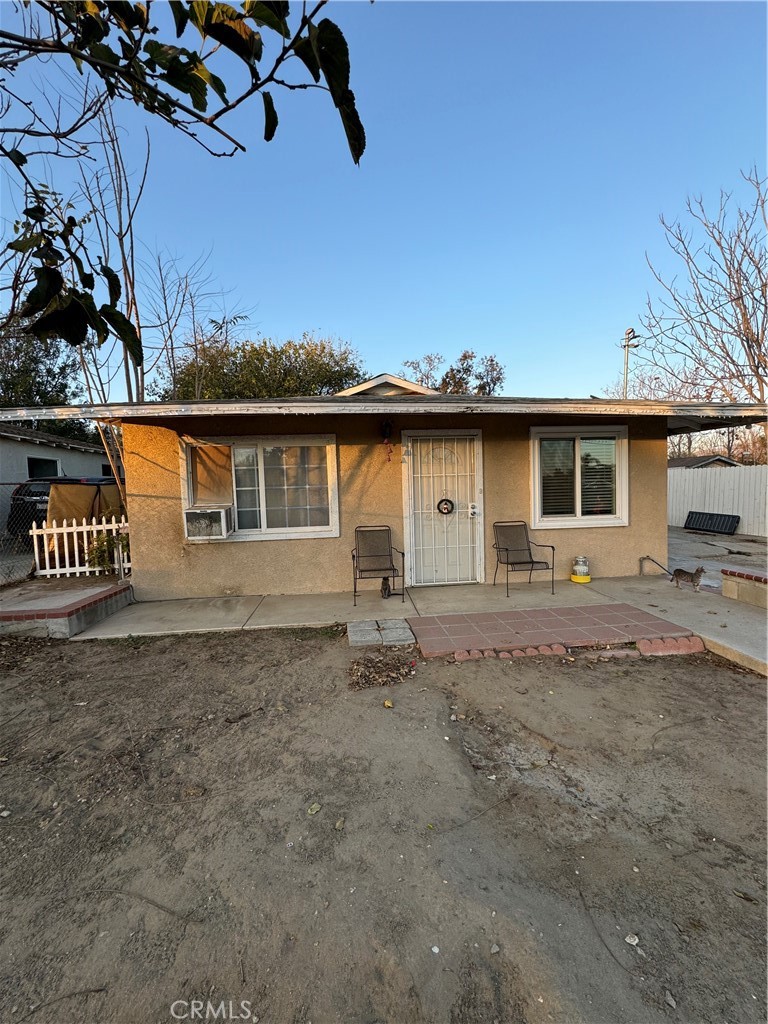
21 504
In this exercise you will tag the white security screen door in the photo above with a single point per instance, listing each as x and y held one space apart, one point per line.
443 507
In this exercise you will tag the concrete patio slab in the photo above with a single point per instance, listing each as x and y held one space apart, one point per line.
325 609
482 597
736 631
200 615
193 615
688 550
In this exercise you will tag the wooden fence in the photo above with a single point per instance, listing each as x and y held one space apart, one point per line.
95 548
732 490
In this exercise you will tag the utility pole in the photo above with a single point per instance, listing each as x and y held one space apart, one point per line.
630 341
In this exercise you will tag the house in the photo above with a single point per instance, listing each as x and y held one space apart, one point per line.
701 462
27 454
259 497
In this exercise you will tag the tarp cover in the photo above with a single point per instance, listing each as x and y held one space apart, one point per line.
83 501
78 502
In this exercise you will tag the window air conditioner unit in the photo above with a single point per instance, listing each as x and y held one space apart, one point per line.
207 523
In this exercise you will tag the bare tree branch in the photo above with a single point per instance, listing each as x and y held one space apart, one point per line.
706 335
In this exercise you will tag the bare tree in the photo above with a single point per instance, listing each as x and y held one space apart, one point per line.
706 334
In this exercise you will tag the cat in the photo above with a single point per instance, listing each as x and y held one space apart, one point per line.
386 590
686 576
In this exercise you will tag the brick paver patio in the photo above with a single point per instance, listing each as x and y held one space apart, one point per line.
588 626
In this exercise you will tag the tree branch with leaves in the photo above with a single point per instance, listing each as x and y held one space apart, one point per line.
135 52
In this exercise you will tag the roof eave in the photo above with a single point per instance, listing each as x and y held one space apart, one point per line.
682 417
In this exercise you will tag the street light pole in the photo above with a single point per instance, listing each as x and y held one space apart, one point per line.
629 342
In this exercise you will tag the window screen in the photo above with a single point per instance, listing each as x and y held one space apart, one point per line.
210 468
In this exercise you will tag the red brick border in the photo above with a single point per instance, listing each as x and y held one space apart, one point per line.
672 645
661 646
755 577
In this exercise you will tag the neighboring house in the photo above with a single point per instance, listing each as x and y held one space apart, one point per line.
30 454
701 462
263 497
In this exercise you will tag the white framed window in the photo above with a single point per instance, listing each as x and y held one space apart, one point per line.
579 477
279 488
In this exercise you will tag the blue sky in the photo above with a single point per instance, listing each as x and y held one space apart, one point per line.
519 155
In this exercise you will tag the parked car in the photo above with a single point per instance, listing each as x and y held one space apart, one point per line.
29 501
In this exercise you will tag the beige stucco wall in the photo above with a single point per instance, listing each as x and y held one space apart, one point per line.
165 565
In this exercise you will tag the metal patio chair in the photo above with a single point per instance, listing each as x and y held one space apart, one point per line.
373 557
513 550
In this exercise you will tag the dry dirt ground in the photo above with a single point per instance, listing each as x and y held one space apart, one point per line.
160 854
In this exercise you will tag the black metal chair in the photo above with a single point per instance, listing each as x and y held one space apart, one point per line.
513 550
373 557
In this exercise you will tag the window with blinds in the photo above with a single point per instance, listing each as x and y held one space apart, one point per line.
558 477
579 477
597 456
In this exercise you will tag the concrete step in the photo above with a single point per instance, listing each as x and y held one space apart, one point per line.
60 608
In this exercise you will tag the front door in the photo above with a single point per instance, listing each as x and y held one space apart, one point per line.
443 507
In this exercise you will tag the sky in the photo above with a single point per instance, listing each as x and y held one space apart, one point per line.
519 156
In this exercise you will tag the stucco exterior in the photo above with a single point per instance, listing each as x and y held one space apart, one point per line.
370 488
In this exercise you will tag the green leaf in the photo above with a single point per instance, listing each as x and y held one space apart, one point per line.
186 80
265 14
353 126
67 320
163 54
90 30
25 243
198 14
113 283
125 331
106 54
16 157
95 321
332 54
180 16
50 283
225 25
306 53
86 277
68 230
270 117
333 58
127 15
36 212
202 71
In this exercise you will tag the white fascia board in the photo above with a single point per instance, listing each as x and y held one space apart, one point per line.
392 405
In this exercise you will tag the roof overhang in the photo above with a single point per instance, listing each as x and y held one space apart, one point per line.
681 417
28 437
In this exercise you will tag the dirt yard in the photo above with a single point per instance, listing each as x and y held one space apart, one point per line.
219 819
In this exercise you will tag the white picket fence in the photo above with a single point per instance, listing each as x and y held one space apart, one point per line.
64 550
732 490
